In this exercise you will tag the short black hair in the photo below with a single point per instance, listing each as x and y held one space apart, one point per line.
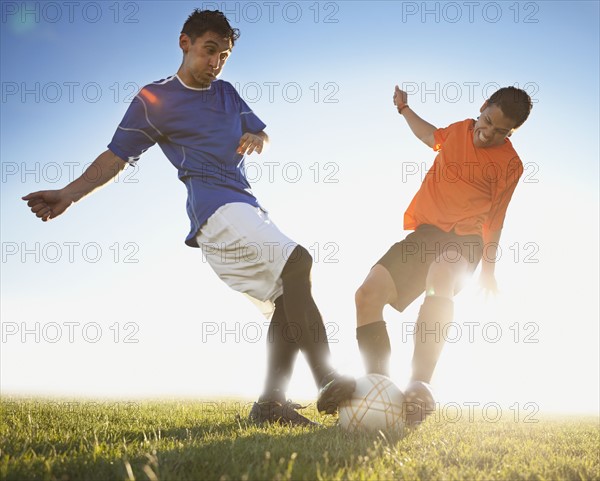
202 21
515 104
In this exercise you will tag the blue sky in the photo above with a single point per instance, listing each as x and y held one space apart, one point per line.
340 172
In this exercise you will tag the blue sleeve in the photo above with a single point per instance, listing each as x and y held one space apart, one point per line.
135 133
250 122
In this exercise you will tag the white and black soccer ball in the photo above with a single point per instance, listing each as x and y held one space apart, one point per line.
376 404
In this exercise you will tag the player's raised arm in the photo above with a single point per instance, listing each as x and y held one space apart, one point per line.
48 204
423 130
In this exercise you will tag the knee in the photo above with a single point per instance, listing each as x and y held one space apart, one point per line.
299 263
368 297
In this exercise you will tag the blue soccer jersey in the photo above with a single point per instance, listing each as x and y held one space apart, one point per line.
199 131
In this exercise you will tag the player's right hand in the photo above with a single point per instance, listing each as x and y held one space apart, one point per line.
48 204
400 98
488 283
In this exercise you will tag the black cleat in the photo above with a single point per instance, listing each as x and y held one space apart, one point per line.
418 403
338 389
278 413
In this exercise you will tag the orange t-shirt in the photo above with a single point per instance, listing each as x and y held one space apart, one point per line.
466 188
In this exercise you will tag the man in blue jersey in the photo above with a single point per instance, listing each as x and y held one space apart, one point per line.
205 129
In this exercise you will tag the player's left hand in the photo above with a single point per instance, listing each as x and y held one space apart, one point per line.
250 143
489 284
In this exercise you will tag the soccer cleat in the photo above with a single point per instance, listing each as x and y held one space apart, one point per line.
418 403
339 388
279 413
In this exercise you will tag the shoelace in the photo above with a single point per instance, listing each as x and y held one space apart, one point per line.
293 405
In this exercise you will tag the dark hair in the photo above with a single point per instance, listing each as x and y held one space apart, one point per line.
202 21
514 103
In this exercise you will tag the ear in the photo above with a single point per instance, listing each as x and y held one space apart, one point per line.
184 43
483 107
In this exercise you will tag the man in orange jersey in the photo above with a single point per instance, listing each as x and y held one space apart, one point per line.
456 216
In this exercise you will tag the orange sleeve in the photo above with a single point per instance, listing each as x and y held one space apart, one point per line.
440 135
504 192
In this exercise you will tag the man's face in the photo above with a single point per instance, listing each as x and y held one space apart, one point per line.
204 59
492 127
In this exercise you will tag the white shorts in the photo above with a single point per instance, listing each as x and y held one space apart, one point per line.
247 251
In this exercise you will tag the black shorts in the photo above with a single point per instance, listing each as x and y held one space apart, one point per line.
408 261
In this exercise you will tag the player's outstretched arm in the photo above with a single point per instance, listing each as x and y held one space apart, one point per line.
48 204
422 129
253 143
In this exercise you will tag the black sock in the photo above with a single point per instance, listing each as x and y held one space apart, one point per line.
374 345
282 351
303 315
435 313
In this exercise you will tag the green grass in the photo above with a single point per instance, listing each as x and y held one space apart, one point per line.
192 440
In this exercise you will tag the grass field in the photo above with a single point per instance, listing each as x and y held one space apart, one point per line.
193 440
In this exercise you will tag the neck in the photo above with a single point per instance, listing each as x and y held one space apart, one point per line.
189 81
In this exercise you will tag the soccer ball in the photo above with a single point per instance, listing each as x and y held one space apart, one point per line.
376 404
